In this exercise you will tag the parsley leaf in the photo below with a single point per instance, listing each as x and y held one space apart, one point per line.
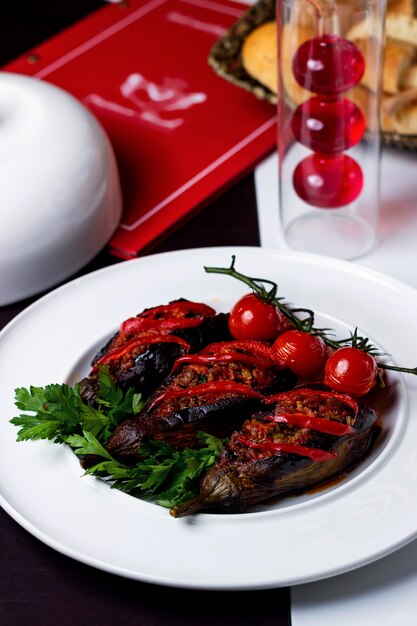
164 475
118 404
114 403
87 444
60 411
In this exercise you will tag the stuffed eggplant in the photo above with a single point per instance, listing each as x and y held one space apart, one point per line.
213 391
298 439
141 354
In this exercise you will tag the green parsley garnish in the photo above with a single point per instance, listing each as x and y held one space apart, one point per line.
163 475
58 413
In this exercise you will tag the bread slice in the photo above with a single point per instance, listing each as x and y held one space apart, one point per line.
398 27
406 7
409 79
402 28
293 36
400 112
398 59
259 55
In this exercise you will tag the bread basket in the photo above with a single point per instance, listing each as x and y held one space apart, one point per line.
225 60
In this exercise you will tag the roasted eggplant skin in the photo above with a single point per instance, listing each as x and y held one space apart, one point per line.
212 328
153 365
236 486
149 370
227 490
179 429
219 416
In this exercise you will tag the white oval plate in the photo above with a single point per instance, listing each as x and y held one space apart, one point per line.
356 521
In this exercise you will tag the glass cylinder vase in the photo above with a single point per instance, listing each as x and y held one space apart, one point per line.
330 59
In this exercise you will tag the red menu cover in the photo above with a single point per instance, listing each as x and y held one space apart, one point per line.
180 133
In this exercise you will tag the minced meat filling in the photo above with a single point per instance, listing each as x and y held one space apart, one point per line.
197 374
251 375
194 375
330 407
258 431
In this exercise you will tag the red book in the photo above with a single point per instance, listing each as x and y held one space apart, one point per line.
180 133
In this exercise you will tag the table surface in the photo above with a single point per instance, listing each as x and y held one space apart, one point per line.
41 586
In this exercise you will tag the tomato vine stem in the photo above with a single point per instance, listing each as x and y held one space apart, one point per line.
306 324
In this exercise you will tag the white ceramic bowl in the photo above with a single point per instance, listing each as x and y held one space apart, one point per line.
60 198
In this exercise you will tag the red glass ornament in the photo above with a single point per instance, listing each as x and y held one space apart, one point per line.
328 65
329 126
328 182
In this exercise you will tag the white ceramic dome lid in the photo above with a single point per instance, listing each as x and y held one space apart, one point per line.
60 198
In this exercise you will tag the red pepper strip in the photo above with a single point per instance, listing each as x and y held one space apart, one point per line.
168 312
144 340
320 424
256 348
217 387
238 357
138 324
181 306
289 395
315 454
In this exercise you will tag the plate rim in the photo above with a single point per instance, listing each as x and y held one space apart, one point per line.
227 251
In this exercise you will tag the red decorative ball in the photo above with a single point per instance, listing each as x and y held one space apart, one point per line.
329 126
328 182
328 65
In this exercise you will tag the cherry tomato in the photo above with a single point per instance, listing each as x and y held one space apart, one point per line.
251 318
302 353
351 371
